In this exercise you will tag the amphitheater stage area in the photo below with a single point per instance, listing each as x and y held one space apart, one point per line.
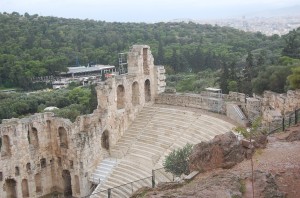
157 131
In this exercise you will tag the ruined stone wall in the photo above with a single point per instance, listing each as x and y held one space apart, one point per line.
42 153
285 103
192 100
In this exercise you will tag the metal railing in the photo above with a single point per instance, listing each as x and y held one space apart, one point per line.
284 123
125 190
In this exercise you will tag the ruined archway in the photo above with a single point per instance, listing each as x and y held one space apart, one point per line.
38 183
5 146
33 137
147 91
63 137
11 191
135 94
67 183
120 97
105 140
25 189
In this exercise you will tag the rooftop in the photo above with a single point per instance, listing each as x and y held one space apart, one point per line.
81 69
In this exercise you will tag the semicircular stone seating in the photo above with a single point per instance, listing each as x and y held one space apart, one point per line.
155 133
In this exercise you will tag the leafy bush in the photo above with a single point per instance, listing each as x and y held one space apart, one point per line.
177 161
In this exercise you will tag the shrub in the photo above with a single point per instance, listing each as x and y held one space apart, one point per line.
177 161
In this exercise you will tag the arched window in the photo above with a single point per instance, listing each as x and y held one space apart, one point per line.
63 137
25 189
120 97
17 171
43 163
147 91
33 137
105 140
135 94
5 146
28 166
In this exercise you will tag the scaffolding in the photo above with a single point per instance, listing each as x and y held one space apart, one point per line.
215 101
122 63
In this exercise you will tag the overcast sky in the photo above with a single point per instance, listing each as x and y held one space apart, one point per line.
142 10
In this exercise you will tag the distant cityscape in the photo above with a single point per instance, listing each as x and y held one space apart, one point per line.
267 25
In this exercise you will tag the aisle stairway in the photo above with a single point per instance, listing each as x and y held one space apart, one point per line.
103 170
153 135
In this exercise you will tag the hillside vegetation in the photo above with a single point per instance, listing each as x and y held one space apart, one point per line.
195 56
33 45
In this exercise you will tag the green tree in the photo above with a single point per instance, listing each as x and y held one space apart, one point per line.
177 161
232 86
224 79
294 78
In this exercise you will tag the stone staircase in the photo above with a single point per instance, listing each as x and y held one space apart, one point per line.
103 170
155 133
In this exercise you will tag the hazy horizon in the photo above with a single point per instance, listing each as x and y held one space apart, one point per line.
142 11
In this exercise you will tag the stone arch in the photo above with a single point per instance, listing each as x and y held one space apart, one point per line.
5 146
120 97
25 189
11 190
105 140
33 138
135 94
77 184
67 183
147 91
38 183
63 137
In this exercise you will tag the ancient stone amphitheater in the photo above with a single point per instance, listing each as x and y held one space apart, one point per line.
155 132
121 146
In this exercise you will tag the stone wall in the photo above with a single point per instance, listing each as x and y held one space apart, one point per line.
43 153
192 100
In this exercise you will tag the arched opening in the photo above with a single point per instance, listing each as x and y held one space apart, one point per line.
135 94
63 137
25 189
145 61
120 97
5 146
77 184
43 163
147 91
17 171
33 137
105 140
11 191
28 166
38 183
67 183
